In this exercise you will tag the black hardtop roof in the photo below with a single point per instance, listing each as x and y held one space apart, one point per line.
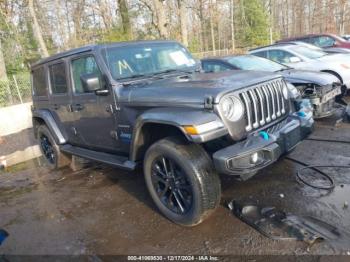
94 47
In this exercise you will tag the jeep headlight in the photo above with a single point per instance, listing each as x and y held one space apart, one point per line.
285 91
232 108
294 92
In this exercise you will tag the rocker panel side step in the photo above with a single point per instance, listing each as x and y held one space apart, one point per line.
110 159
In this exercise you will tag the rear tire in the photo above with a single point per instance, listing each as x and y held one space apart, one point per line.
181 180
50 150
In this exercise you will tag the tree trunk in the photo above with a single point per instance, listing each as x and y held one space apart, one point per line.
233 43
37 31
183 22
3 74
161 18
124 14
212 27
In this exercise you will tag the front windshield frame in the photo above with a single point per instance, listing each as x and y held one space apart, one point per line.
189 67
278 66
308 52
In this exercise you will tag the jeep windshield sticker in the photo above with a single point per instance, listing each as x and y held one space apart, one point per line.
123 65
180 58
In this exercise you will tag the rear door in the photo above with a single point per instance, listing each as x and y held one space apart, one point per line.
94 122
60 96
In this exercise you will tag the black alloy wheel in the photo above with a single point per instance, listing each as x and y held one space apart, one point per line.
47 149
171 184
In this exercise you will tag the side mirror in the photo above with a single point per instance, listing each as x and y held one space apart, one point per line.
294 59
90 82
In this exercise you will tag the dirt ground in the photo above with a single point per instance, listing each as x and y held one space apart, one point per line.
101 210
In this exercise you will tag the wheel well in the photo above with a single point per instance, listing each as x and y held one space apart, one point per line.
335 74
37 121
149 134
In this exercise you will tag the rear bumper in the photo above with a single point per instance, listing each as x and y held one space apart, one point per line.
245 158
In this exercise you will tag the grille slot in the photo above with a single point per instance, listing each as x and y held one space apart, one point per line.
263 104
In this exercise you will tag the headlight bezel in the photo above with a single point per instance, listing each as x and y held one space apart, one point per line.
235 110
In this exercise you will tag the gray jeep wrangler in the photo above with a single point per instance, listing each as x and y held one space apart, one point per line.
127 103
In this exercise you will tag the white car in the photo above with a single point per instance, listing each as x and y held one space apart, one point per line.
304 58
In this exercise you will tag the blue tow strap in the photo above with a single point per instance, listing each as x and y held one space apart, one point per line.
264 135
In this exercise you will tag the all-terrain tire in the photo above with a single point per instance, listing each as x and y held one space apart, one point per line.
199 171
59 159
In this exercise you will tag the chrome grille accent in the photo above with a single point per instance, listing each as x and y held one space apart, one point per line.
263 104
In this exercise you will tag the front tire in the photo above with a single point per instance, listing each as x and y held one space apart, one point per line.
50 150
181 181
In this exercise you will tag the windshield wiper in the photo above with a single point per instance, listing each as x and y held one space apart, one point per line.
283 69
171 71
132 76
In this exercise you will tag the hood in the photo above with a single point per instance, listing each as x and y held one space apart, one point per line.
295 76
192 89
336 58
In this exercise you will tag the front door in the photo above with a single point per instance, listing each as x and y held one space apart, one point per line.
94 123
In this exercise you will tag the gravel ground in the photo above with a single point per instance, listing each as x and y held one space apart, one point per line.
103 211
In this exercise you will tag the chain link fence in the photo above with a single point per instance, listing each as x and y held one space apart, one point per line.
15 89
222 52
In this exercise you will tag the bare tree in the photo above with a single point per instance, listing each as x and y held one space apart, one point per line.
3 74
37 30
183 21
233 43
124 14
161 18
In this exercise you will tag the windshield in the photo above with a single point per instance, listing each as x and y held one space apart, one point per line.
147 59
255 63
307 52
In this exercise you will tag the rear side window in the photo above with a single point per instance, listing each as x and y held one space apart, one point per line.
261 54
58 78
39 82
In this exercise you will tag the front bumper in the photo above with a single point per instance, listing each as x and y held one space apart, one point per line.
245 158
347 83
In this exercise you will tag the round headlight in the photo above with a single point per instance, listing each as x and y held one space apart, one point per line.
285 91
232 108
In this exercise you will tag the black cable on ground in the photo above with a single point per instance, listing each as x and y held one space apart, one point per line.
315 168
328 140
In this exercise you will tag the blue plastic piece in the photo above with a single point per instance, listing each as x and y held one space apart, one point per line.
264 135
301 114
3 235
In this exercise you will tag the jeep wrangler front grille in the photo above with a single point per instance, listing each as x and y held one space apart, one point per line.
264 103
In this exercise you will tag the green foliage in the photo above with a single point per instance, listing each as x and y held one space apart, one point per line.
115 34
255 23
18 46
194 45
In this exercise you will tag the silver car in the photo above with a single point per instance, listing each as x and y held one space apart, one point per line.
302 57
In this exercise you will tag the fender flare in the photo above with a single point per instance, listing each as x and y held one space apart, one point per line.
176 117
50 122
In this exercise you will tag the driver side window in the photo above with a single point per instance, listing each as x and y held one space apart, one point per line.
83 66
214 67
280 56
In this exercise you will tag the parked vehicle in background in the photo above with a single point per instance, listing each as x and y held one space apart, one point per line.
301 57
145 102
321 40
329 50
346 37
320 88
